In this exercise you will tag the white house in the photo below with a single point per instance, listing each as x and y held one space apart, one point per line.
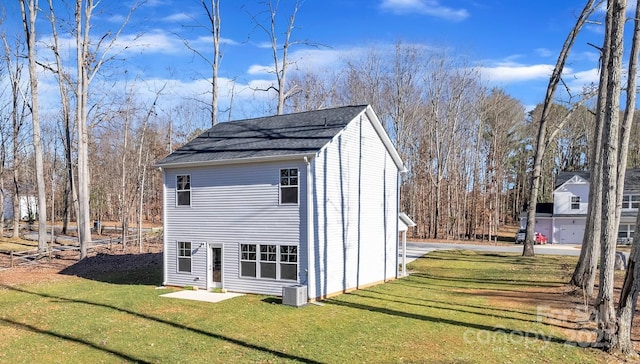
300 199
565 222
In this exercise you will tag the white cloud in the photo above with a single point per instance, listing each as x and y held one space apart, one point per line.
256 69
544 52
426 7
506 73
177 18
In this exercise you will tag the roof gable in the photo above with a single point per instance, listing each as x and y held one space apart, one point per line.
266 137
631 179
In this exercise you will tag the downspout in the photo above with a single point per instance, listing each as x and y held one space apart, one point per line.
309 228
164 226
404 234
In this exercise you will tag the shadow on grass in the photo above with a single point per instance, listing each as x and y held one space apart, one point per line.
415 316
143 269
491 281
22 325
500 312
238 342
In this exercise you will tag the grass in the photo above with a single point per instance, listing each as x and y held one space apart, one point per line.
454 308
16 244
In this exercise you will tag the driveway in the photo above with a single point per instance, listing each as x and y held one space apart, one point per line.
417 249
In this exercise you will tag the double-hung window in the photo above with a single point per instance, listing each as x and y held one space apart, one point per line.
630 201
575 202
248 259
289 185
184 257
183 190
269 261
625 232
288 262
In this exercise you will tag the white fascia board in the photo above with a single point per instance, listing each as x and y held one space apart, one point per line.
382 133
220 162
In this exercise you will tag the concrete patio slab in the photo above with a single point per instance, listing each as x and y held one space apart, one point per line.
201 295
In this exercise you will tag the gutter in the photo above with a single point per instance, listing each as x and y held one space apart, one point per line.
207 163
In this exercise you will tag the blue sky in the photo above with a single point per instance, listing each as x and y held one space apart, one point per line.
514 42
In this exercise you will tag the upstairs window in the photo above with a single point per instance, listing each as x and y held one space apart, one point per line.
575 202
630 201
183 190
289 185
184 257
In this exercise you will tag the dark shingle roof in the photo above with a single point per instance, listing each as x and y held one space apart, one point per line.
631 179
273 136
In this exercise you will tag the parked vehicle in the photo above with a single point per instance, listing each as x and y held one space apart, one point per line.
540 238
521 234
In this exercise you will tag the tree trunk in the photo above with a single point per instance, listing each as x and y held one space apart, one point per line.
29 11
542 128
607 337
631 285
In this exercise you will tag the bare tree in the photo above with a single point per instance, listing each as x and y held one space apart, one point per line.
631 286
607 322
88 64
542 128
212 9
29 10
279 51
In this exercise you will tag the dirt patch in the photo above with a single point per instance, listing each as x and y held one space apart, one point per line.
100 261
562 307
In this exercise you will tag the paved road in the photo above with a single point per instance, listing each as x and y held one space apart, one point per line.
415 250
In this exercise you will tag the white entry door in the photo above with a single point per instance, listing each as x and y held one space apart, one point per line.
214 271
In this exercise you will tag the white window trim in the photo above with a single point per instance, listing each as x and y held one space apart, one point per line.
190 191
280 187
571 202
178 257
277 262
629 203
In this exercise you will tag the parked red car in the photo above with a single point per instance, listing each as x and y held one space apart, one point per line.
540 238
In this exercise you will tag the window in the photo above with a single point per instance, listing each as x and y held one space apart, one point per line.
289 262
269 261
625 233
184 257
575 202
289 185
630 201
183 190
248 260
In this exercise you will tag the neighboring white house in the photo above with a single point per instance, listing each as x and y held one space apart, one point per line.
28 206
300 199
565 222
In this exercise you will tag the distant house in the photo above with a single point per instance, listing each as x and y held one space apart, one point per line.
300 199
564 220
28 206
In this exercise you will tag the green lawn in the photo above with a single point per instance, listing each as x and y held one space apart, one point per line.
439 314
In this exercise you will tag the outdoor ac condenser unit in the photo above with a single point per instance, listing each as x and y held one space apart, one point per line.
294 295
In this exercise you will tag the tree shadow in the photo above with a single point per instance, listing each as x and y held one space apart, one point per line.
434 319
142 269
159 320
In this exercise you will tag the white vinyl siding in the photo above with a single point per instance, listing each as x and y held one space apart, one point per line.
355 194
232 205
